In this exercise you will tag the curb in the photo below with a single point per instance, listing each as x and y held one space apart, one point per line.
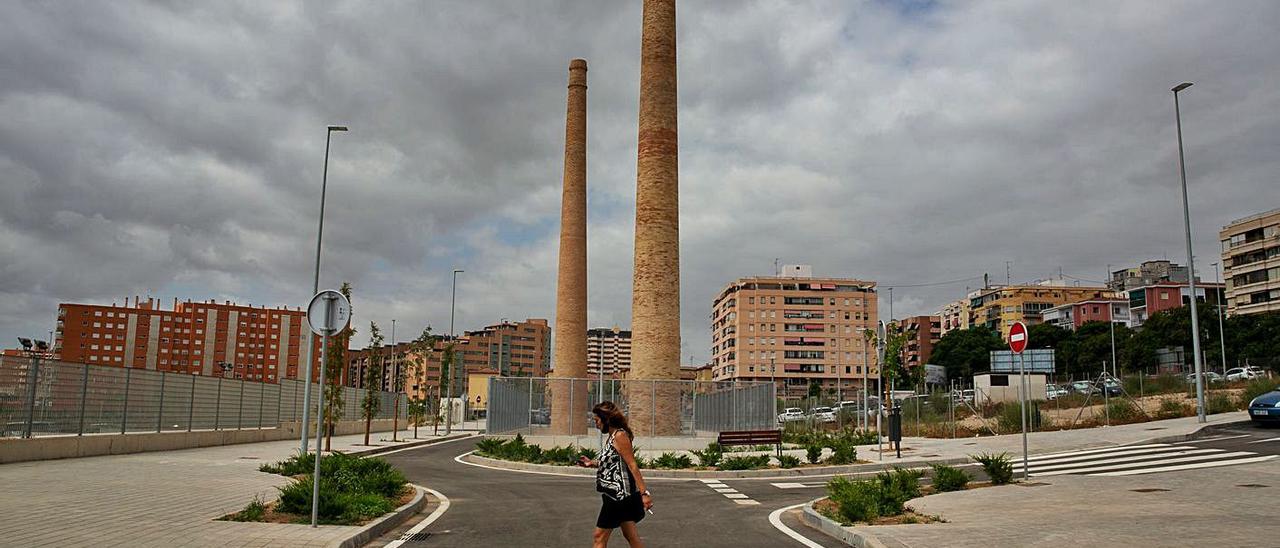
407 445
384 523
1175 438
716 474
847 535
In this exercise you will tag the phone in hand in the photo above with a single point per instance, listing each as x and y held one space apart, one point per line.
584 461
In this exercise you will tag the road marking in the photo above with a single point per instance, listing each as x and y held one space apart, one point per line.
458 459
1189 466
775 519
1130 458
790 485
1266 440
440 510
1216 438
710 481
735 496
426 445
1034 458
746 502
1114 452
1140 465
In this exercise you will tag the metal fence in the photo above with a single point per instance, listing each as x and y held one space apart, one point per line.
527 405
74 398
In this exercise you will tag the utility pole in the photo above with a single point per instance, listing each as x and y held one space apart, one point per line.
1191 265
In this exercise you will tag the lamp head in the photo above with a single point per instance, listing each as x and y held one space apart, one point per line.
1181 86
42 346
337 128
26 343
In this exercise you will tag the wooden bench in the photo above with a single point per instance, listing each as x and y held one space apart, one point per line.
751 437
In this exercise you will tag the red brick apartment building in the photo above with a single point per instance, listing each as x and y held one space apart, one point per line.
201 338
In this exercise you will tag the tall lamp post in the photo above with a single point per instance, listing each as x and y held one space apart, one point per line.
1222 337
453 358
33 350
315 287
1191 266
1111 319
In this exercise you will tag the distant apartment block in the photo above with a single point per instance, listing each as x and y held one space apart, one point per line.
953 316
201 338
608 351
1148 273
925 332
1072 316
1000 307
796 329
1251 263
1160 296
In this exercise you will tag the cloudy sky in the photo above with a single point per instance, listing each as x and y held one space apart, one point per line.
175 149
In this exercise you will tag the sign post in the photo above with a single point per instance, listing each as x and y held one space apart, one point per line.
1018 343
881 331
328 314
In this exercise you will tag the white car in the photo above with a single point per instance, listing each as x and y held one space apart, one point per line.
824 414
1242 374
1053 391
791 414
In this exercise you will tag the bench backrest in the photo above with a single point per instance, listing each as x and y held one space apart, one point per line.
750 437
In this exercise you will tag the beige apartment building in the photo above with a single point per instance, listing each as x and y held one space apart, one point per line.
1251 263
794 329
1000 307
608 351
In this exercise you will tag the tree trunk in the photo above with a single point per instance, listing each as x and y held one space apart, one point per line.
435 421
328 434
395 417
368 423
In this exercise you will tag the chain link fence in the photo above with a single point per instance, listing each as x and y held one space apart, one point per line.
527 405
72 399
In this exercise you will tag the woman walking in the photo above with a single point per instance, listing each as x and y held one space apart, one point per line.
625 498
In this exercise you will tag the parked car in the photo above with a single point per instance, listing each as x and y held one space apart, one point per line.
1242 374
1110 387
1265 409
824 414
1053 391
536 416
1209 376
1259 372
1084 387
791 414
962 396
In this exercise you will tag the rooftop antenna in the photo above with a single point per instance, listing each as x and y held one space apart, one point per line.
1007 275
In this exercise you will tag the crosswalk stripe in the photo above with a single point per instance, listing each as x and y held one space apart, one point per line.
1142 465
1034 458
789 485
1130 458
1266 440
709 481
1213 464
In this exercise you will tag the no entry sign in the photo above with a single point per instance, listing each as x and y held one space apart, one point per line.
1018 337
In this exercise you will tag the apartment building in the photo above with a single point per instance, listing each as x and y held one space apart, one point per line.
1148 273
201 338
925 332
953 316
1072 316
608 351
1000 307
794 329
1160 296
1251 263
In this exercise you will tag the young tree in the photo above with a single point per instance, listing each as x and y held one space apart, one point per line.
334 404
446 379
964 351
419 349
372 379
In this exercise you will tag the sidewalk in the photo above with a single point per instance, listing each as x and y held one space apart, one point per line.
168 498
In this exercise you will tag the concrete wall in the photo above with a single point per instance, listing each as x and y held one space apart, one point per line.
89 445
985 391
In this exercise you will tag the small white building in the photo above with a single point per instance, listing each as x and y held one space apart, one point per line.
1003 387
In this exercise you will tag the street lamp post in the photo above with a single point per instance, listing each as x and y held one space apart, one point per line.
1222 337
1111 319
453 358
33 349
315 287
1191 266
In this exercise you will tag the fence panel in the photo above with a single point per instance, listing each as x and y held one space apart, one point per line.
175 408
143 402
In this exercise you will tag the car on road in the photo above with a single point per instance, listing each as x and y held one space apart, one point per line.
1053 392
1209 376
791 414
1265 409
1084 387
1243 374
824 414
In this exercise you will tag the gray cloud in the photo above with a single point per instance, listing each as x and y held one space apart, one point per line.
177 150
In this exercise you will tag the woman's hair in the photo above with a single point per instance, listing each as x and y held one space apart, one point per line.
612 418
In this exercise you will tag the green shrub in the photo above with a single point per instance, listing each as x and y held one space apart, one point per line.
896 488
489 447
859 437
813 452
295 498
1255 388
293 466
788 461
855 500
1009 417
1121 410
842 452
357 507
998 467
256 510
745 463
673 461
352 489
1172 407
588 452
1219 403
710 456
949 478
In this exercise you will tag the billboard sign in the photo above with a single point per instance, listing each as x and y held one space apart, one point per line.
1039 360
935 374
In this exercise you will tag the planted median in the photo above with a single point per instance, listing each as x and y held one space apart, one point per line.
353 490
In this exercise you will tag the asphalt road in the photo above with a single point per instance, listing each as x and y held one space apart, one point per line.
1239 436
504 508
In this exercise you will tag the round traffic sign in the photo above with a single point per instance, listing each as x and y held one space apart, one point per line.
1018 337
329 312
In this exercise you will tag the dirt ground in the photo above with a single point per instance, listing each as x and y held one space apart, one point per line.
1095 412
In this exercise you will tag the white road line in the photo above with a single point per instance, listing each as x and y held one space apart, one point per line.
735 496
439 511
1126 459
426 445
1189 466
709 481
458 459
1156 447
1091 451
789 485
746 502
1266 440
1149 452
1216 438
1140 465
775 519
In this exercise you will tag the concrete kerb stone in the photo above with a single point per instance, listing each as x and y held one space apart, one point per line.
847 535
718 474
418 443
385 523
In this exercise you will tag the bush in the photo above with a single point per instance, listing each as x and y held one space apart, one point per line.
710 456
1009 418
813 452
673 461
1172 407
293 466
896 488
949 478
254 511
745 463
866 500
1255 388
1219 403
788 461
1121 410
859 437
842 452
998 467
352 489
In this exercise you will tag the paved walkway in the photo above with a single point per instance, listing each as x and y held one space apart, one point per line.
168 498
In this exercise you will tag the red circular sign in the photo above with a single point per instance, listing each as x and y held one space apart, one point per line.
1018 338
